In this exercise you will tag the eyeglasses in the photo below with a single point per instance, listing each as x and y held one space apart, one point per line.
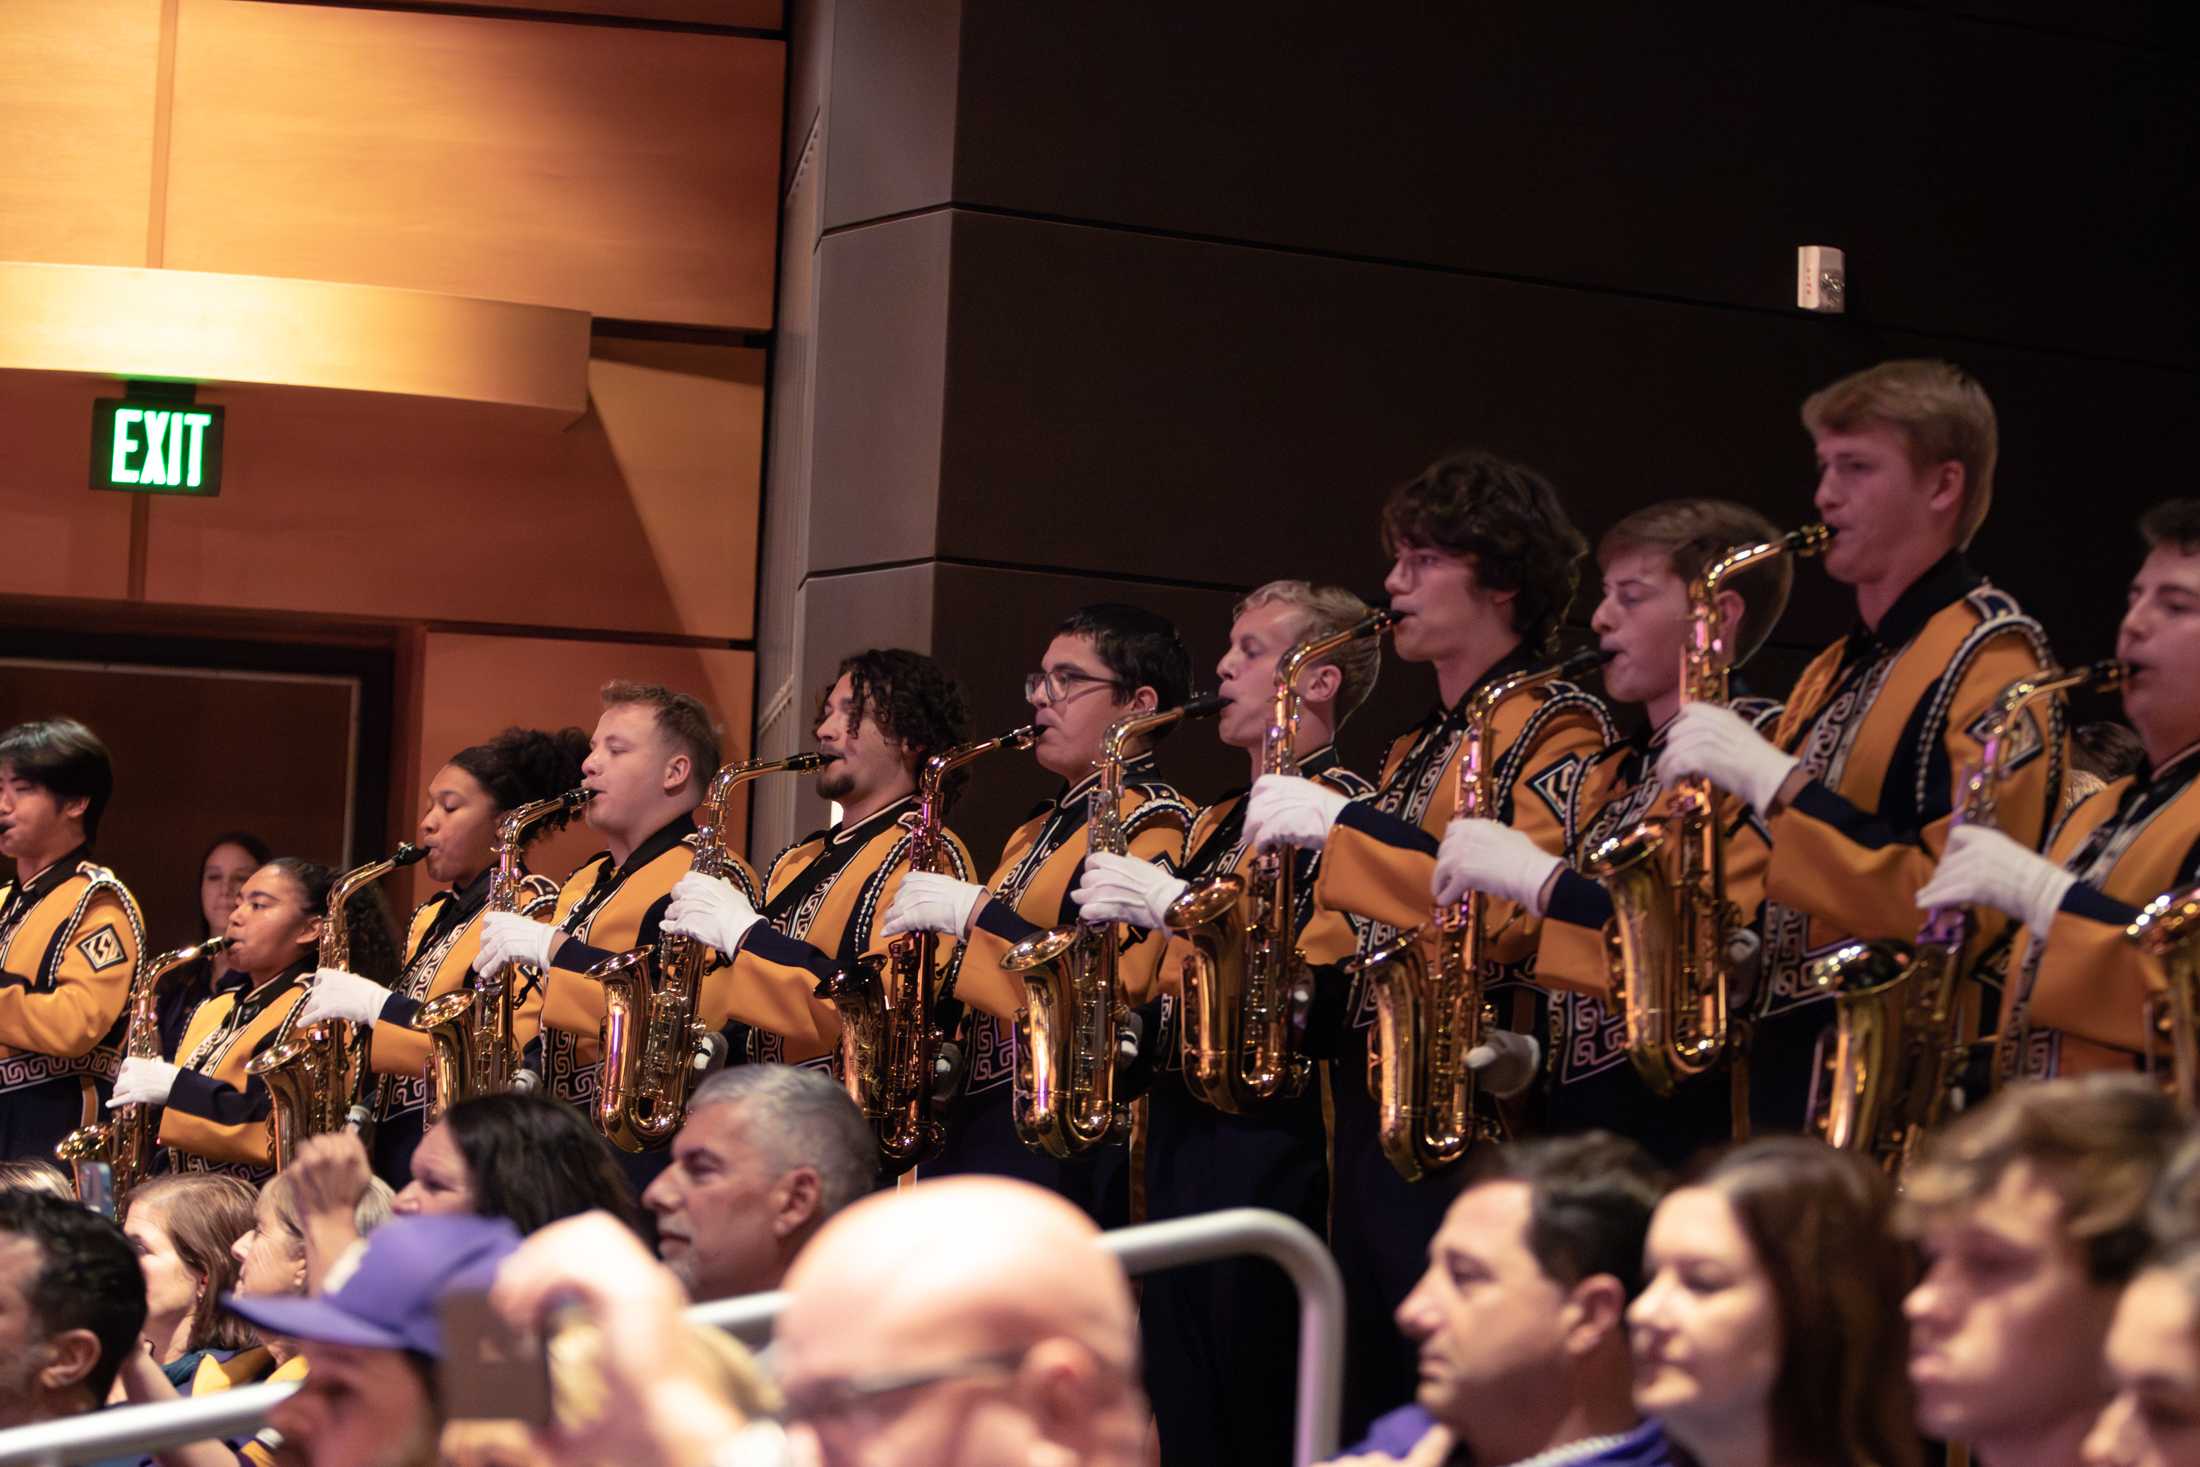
824 1403
1061 684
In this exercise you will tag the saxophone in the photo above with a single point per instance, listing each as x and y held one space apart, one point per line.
124 1143
653 1045
1670 935
1066 1032
2169 929
1899 1050
472 1047
316 1074
890 1037
1245 981
1429 1013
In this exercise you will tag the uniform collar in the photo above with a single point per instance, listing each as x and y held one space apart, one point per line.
872 823
1521 659
240 984
56 873
1141 767
2179 768
475 892
1948 581
680 829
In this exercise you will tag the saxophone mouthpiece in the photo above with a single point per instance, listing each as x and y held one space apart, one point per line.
1203 705
1584 662
408 853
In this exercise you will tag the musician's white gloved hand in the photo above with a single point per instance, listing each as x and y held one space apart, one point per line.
1719 744
1490 856
1287 810
508 938
1983 867
932 903
144 1082
1125 889
1505 1063
711 910
337 994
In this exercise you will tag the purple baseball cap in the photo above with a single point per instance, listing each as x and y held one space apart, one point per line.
389 1300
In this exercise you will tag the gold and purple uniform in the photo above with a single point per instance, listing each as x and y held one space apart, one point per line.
1591 1083
824 897
1380 863
1221 1340
218 1117
70 943
1885 722
1030 888
2088 984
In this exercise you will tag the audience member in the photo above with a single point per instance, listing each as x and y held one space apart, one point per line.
185 1228
1769 1328
2153 1368
28 1174
72 1303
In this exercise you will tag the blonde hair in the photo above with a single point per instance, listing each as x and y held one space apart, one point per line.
29 1174
1327 609
281 1196
1939 410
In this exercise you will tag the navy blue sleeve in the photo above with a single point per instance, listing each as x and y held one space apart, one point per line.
1388 829
218 1101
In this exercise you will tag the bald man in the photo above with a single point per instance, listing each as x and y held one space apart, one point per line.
1018 1345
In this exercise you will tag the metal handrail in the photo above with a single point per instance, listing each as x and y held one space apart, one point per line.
1148 1248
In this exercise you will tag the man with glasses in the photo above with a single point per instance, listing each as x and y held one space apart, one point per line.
1105 662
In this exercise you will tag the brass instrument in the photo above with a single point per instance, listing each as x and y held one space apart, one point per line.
473 1048
653 1045
889 1033
316 1074
1064 1101
1899 1051
1429 1013
1670 936
124 1141
2169 929
1245 981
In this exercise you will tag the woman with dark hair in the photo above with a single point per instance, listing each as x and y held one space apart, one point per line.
218 1117
184 1228
229 862
2152 1418
1770 1328
467 799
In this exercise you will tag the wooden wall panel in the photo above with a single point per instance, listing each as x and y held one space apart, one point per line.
624 171
639 518
755 14
76 134
474 686
61 538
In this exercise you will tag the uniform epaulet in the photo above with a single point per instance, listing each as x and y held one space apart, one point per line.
1999 616
97 879
1762 713
1350 783
909 819
1557 700
1160 800
535 887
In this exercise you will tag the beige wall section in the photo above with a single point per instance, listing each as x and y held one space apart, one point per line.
76 135
618 170
640 518
474 686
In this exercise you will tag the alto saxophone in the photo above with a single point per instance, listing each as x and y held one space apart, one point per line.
1671 932
124 1142
2169 929
1064 1101
473 1047
316 1073
653 1044
1429 1013
890 1036
1899 1050
1245 981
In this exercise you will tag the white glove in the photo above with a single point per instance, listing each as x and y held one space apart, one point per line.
1285 810
144 1082
508 938
1490 856
711 910
1125 889
1717 743
1983 867
931 903
336 994
1505 1063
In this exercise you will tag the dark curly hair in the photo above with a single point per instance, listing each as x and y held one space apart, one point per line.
374 952
2173 522
1140 647
522 765
1504 516
911 699
88 1278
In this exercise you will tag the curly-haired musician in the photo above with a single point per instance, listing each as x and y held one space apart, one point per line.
70 937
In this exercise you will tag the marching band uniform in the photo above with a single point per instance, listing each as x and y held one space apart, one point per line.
1221 1340
218 1117
1379 863
1592 1082
1884 722
1029 890
825 897
71 939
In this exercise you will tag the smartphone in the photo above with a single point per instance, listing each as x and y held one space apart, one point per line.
95 1186
491 1371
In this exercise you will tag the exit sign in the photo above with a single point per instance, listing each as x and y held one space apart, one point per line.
152 447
